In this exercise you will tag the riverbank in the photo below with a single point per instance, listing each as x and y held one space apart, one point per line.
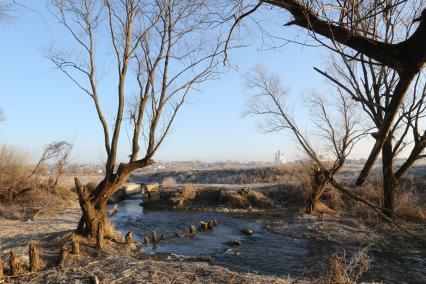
116 264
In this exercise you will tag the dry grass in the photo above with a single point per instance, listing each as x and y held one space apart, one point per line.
409 200
188 193
341 271
247 199
14 172
111 232
23 193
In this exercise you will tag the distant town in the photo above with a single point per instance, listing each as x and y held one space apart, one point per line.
279 158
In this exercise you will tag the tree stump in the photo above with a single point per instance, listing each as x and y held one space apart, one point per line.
192 230
145 241
129 238
204 225
15 266
154 237
63 255
34 255
75 241
210 224
100 237
1 269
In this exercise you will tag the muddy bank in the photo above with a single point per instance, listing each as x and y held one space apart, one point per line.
225 198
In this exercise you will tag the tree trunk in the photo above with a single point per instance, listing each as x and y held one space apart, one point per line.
389 181
94 211
93 204
318 183
314 199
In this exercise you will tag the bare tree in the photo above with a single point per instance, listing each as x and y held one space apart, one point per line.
4 11
2 117
338 134
343 22
371 85
59 151
171 47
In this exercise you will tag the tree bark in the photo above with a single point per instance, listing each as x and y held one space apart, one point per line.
389 181
1 269
100 236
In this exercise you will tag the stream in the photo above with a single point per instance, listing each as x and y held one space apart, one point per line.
263 252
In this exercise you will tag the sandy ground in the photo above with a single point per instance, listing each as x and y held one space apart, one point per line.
122 266
16 234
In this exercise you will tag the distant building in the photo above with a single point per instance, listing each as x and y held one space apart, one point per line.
326 157
279 158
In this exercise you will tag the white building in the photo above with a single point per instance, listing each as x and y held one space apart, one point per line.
326 157
279 158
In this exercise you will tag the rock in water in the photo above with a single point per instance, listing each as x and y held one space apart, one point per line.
247 231
234 243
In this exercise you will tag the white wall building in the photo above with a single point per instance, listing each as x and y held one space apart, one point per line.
279 158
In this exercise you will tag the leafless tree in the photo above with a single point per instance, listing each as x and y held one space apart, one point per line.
170 47
338 133
343 22
2 117
371 85
4 10
53 151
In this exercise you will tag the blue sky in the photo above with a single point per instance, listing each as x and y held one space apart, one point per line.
41 105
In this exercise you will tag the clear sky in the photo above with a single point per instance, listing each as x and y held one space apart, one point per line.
41 105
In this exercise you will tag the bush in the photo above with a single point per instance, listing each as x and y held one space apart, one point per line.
14 172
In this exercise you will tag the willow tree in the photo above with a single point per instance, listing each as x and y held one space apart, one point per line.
343 22
162 51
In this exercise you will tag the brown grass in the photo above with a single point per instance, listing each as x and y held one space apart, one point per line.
409 200
341 271
246 199
21 191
